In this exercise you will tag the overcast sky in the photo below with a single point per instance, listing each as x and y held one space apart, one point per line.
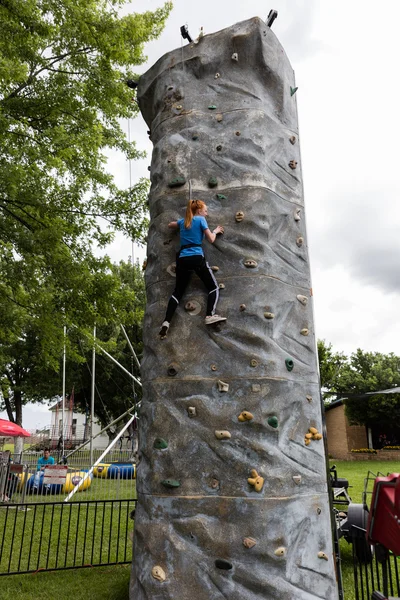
346 58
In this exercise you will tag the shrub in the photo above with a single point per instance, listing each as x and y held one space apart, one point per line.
364 451
391 448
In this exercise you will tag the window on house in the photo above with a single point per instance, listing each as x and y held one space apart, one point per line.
73 428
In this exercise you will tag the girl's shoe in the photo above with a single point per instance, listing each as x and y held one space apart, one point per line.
164 330
213 319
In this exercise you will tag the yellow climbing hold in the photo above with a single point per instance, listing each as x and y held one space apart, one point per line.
256 480
245 415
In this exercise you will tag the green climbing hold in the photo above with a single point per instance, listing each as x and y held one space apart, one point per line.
171 483
212 107
221 197
273 421
160 444
212 182
293 90
178 181
289 364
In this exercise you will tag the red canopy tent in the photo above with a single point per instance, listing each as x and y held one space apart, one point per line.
8 429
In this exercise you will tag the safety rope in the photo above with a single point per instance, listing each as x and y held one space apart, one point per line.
186 124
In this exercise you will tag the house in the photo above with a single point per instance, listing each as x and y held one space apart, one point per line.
342 437
76 427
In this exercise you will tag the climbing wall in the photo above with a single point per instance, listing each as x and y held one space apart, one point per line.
232 490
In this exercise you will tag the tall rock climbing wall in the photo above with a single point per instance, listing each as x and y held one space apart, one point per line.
232 489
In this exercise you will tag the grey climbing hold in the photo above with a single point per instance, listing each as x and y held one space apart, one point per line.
254 362
297 214
281 551
304 331
212 182
222 435
323 556
158 573
193 307
177 182
172 370
213 367
293 164
221 197
192 411
242 307
217 76
289 364
219 147
309 399
171 483
293 90
239 216
319 510
235 56
297 479
273 422
160 444
222 386
292 139
212 107
300 241
221 563
249 542
221 286
269 315
250 263
302 299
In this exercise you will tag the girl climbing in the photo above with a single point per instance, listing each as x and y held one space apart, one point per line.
190 258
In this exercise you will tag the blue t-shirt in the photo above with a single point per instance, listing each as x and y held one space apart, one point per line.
192 235
42 462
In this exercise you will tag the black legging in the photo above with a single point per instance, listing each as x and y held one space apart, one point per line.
184 269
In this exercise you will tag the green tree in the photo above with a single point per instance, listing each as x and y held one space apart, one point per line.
63 71
330 366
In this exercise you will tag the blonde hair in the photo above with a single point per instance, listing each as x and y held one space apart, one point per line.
192 207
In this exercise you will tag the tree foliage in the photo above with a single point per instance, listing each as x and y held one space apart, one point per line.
63 93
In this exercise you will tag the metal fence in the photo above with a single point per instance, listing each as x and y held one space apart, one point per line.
59 535
375 570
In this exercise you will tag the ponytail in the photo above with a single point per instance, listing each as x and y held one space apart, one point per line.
192 207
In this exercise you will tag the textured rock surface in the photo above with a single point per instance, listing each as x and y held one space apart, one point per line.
247 144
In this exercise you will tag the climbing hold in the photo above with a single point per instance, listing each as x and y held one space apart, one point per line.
293 164
149 168
190 306
256 481
219 117
212 107
177 182
319 510
297 479
195 137
256 387
237 133
221 563
300 241
222 386
289 364
213 367
318 436
304 331
212 182
308 436
254 362
172 370
249 542
245 415
221 197
193 307
239 216
170 87
297 214
313 430
192 411
217 76
242 307
160 444
214 268
214 483
222 435
280 551
309 399
178 106
250 263
144 265
302 299
323 556
235 56
292 139
293 90
219 147
171 483
158 573
307 442
273 422
221 286
269 315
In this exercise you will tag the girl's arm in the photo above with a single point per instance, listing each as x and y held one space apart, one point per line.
212 236
173 225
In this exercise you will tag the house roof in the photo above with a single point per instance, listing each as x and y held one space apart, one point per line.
339 401
58 405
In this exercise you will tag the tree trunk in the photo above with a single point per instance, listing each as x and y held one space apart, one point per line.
232 497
